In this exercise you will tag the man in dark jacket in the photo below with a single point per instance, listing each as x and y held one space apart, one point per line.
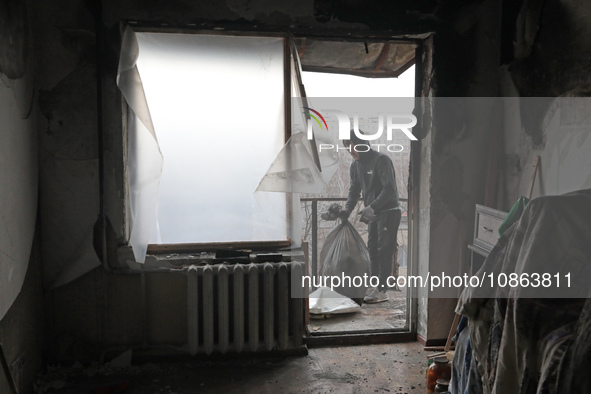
373 176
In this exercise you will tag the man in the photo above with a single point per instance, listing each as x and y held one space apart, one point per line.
372 174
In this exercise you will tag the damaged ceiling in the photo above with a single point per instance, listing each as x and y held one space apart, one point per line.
386 59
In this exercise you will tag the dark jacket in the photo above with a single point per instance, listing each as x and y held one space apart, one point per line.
374 176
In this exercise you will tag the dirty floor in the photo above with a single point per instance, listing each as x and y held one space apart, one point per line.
389 315
395 368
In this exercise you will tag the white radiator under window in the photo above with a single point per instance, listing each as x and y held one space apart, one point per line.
244 308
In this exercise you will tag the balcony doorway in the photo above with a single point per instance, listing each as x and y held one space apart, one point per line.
391 316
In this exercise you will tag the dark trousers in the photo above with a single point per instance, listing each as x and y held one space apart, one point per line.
381 242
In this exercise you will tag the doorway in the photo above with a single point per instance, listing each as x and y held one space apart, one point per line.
393 315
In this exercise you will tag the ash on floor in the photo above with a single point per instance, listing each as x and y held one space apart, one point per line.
389 315
395 368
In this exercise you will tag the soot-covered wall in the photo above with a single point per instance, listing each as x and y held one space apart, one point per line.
553 60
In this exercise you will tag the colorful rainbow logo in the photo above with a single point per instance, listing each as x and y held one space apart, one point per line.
315 118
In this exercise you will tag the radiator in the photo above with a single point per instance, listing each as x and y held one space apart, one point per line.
243 308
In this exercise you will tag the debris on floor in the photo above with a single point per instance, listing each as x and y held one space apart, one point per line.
324 301
382 316
393 368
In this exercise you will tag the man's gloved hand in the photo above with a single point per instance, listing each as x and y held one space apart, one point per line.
344 214
367 215
332 213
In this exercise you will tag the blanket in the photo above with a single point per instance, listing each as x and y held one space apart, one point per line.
521 335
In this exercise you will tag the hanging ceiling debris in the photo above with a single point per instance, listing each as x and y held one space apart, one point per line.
366 59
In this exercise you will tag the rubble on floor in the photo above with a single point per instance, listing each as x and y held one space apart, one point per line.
394 368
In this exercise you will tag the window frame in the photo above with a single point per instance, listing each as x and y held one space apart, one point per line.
211 246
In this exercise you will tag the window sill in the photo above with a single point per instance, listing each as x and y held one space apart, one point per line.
210 246
178 260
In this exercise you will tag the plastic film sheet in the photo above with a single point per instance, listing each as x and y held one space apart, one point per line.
197 150
145 161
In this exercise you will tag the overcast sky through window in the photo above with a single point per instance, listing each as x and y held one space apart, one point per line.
341 85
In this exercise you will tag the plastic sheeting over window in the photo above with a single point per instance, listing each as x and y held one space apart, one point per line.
18 195
144 161
301 167
193 166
